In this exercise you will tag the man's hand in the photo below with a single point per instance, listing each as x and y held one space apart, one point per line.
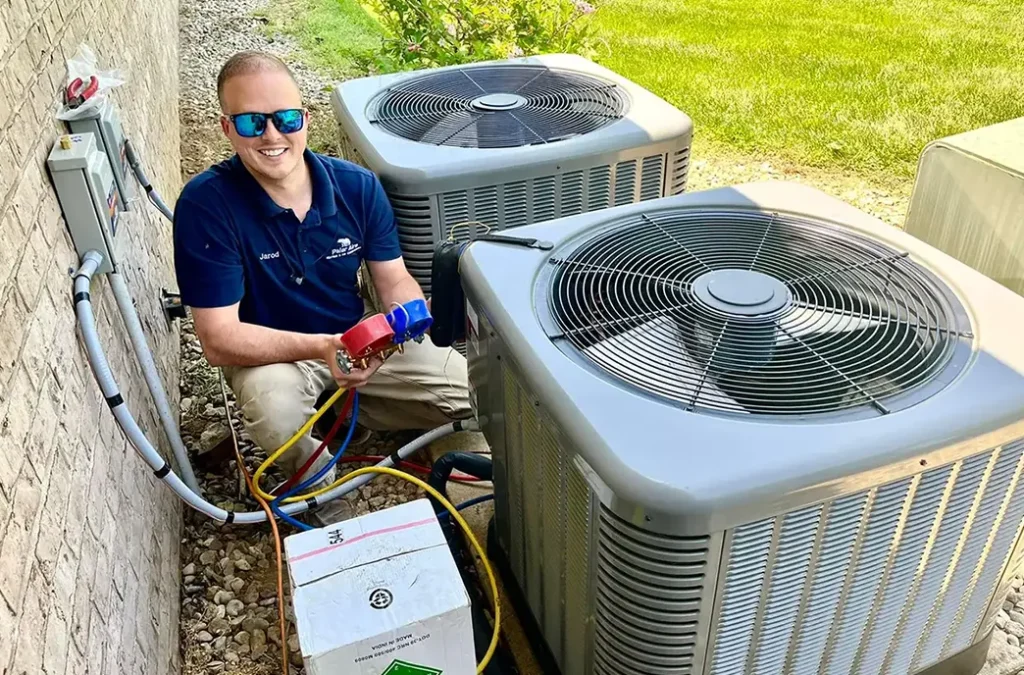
355 379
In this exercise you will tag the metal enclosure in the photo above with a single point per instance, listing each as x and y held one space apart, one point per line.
106 127
443 192
968 200
649 539
88 196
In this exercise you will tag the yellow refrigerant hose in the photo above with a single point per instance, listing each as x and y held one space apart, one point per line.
492 581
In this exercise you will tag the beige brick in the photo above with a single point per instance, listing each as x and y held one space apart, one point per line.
21 62
56 649
15 425
38 341
37 45
26 199
77 664
13 319
22 135
51 529
32 627
30 272
97 642
102 582
83 591
8 629
74 525
15 550
64 578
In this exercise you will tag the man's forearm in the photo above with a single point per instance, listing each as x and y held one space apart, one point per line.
246 344
401 293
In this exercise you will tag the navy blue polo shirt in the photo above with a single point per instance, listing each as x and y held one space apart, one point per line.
233 243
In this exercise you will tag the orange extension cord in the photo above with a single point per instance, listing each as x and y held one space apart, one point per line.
282 621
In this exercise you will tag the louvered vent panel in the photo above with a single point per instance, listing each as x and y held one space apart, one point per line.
576 571
516 210
680 171
890 580
652 178
883 521
543 199
571 201
533 503
514 469
789 571
455 208
553 513
743 582
919 612
1002 538
485 205
970 559
415 223
649 592
599 188
899 580
826 584
625 182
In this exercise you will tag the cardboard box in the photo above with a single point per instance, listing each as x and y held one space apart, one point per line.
380 595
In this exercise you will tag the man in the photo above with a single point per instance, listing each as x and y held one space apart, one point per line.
267 249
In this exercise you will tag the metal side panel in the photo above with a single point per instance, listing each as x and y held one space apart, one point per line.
578 626
961 576
679 171
889 580
513 460
652 592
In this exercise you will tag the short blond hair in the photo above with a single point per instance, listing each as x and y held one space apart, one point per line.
248 63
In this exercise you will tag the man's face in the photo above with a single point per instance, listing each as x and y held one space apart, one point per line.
273 155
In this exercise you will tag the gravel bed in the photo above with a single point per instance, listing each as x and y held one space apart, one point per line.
229 604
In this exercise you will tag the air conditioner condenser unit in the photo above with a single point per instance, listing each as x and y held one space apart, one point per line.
749 431
469 149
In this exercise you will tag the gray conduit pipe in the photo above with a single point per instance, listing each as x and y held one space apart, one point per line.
149 371
140 175
161 469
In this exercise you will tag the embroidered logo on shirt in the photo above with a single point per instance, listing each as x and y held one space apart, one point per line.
344 247
270 256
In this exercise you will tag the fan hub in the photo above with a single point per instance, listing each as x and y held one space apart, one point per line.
741 292
496 102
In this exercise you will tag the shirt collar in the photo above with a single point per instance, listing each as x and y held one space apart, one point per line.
323 188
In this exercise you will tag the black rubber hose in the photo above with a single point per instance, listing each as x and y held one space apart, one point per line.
476 466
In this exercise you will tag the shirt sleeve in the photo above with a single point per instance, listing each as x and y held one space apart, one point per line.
207 261
381 238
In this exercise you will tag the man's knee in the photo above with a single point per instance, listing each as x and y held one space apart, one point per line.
275 400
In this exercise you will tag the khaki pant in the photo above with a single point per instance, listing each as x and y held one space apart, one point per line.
422 388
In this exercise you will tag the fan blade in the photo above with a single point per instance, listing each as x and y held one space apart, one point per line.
659 361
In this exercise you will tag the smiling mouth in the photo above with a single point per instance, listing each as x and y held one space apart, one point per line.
275 152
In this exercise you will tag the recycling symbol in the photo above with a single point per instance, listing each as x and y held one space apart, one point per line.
404 668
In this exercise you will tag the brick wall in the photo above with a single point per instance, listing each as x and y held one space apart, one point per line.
88 538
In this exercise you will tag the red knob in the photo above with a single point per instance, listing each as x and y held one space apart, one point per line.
368 337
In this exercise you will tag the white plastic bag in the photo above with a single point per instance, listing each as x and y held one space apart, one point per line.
83 66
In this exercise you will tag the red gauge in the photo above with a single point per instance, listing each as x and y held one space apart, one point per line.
368 337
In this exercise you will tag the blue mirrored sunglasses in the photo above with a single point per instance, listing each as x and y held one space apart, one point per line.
250 125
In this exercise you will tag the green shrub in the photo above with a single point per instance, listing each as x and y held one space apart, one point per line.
427 33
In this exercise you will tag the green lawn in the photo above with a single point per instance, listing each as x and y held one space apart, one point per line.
336 36
852 84
859 84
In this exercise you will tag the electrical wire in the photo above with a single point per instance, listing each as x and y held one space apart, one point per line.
346 408
453 512
282 620
303 430
457 476
474 501
107 384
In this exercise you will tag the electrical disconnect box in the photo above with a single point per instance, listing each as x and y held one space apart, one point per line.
88 194
105 125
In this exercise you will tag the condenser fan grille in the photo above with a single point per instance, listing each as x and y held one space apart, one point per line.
500 106
757 313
